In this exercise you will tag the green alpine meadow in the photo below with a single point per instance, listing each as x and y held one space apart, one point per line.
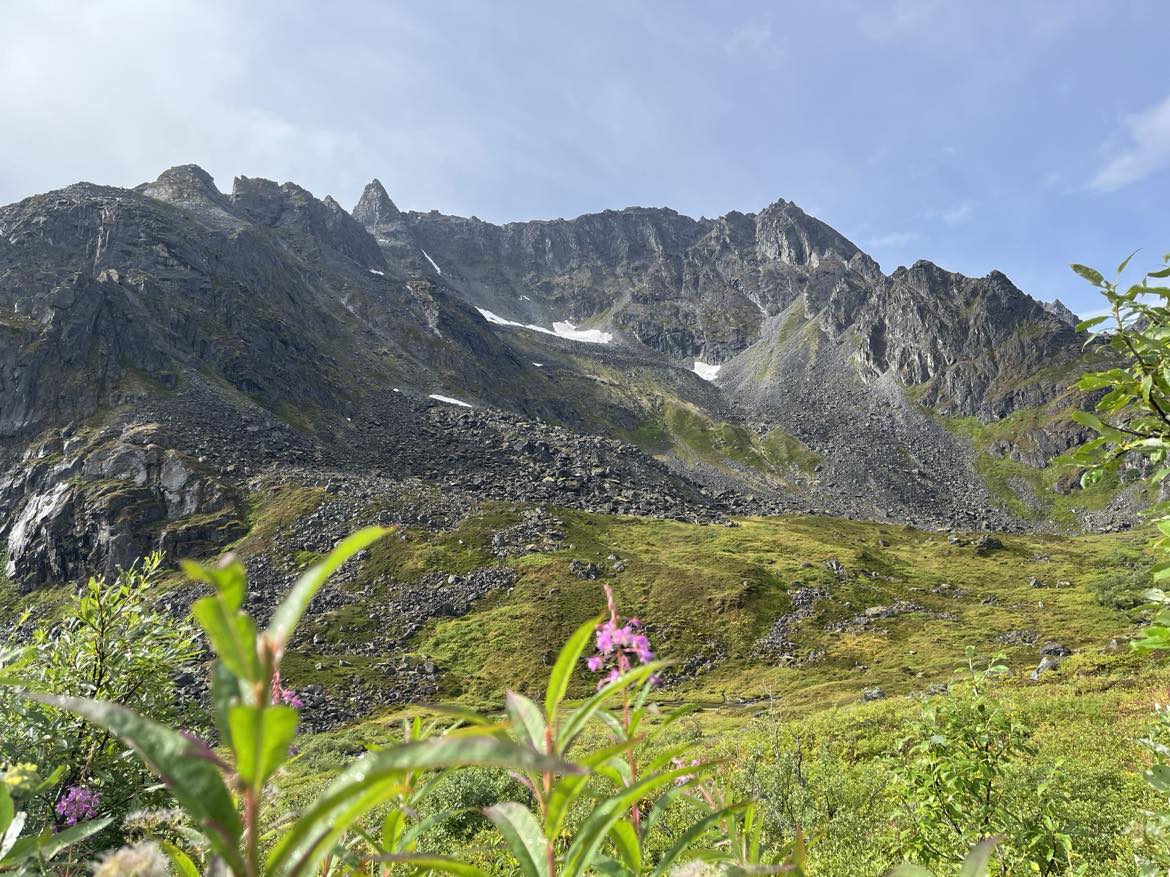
738 448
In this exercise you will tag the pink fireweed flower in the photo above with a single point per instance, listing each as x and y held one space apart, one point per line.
686 777
619 646
77 805
286 696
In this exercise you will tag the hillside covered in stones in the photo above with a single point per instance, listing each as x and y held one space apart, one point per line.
169 350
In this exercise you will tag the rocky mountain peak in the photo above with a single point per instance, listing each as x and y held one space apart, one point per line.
1061 311
788 234
375 206
186 185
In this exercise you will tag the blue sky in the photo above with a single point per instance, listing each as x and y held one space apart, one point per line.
1012 135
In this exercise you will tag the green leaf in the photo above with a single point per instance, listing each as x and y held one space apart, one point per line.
261 736
424 863
1125 262
225 694
597 824
229 580
62 840
568 789
7 809
392 827
562 671
521 832
527 718
377 776
580 717
288 614
625 840
179 860
909 871
232 636
192 778
1085 325
1090 274
975 865
694 832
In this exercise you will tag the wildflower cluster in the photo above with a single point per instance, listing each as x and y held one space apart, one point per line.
285 696
77 805
619 646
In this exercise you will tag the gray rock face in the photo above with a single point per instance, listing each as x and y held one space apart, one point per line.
160 346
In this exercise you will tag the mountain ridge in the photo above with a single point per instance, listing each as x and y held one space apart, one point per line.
827 384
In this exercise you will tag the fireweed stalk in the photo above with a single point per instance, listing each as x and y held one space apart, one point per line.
618 647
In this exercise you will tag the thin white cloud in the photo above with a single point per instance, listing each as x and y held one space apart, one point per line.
958 213
1148 150
893 239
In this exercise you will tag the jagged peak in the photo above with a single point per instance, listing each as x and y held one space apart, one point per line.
1061 311
184 184
375 207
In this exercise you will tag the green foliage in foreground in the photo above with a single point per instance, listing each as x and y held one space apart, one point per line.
599 785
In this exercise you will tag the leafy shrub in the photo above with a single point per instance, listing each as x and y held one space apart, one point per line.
961 754
111 644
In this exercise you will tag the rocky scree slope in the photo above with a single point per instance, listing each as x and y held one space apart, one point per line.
161 346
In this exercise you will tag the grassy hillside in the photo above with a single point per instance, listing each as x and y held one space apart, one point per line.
799 736
710 594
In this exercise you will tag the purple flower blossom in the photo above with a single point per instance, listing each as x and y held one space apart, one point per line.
289 697
77 805
619 646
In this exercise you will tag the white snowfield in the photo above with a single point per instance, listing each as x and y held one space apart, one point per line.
438 270
705 371
560 329
450 401
376 271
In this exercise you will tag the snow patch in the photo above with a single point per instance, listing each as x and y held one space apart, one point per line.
438 270
705 371
538 364
449 400
589 336
560 329
376 271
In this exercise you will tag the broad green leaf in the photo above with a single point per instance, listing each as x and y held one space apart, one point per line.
1090 274
288 614
975 865
625 840
377 776
562 671
527 718
392 828
232 636
192 778
521 832
229 580
225 694
180 861
262 736
7 809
